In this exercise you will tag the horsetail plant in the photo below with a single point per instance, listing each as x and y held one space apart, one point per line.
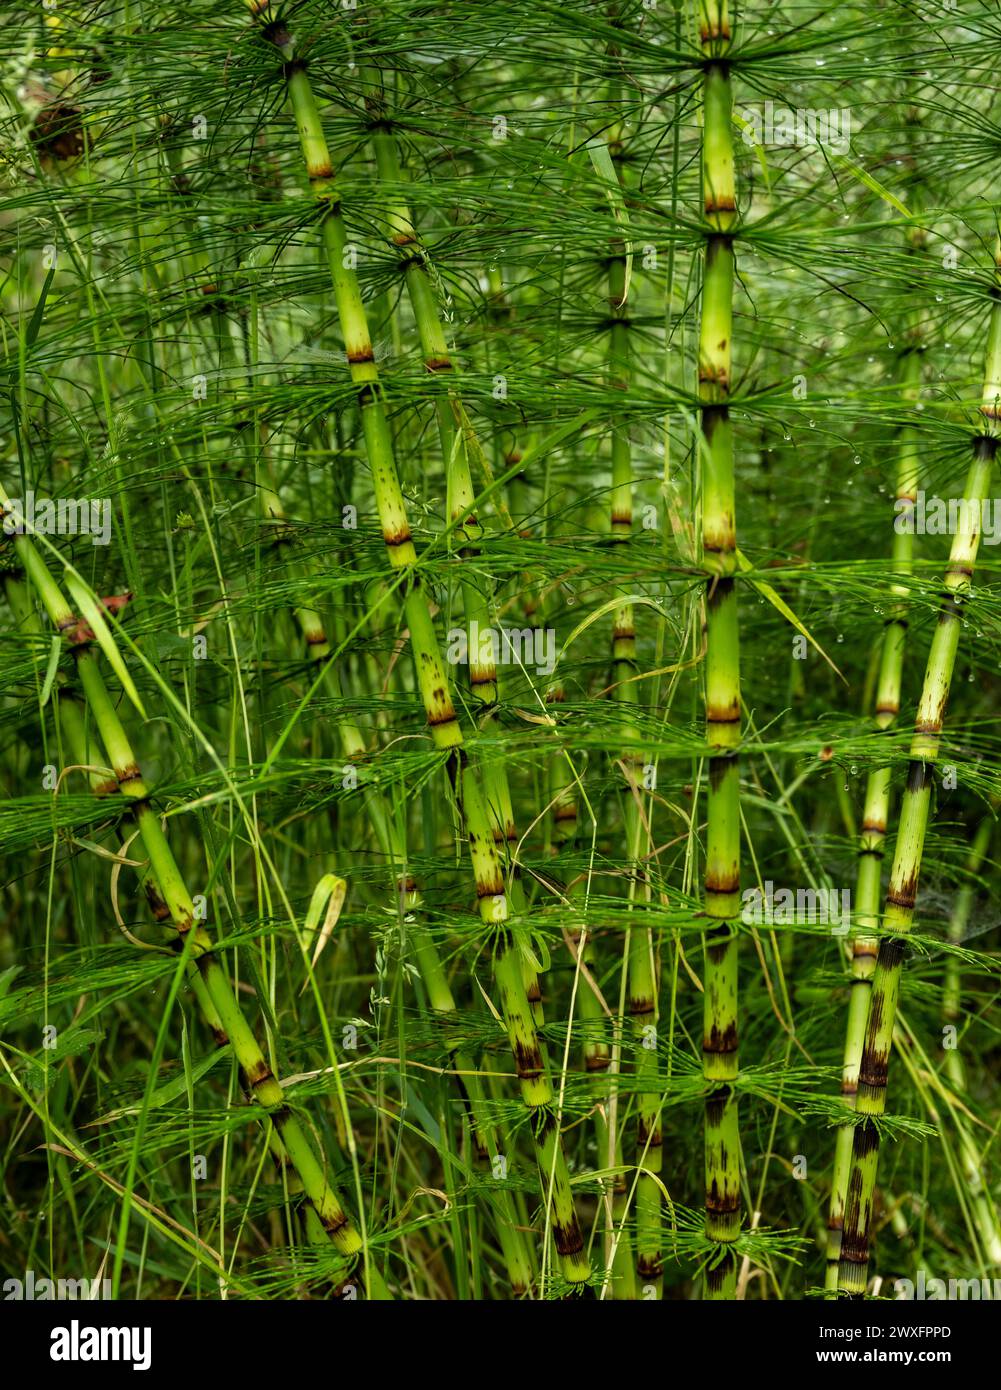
536 1088
353 746
901 898
519 224
876 809
641 966
167 890
722 679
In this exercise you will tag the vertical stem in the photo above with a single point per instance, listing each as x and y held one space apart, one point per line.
640 965
902 895
446 732
876 810
722 872
485 1140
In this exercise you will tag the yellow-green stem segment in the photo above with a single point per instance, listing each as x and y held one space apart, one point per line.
876 808
901 897
431 676
722 667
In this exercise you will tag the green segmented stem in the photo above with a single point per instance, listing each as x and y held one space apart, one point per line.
640 965
722 678
226 1013
77 734
485 1139
432 680
403 238
901 898
620 1264
876 807
78 737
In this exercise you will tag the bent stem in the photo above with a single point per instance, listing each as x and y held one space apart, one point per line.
536 1089
225 1016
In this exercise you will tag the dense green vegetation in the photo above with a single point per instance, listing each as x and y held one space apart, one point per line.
501 648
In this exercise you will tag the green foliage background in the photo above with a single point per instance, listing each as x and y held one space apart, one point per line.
185 356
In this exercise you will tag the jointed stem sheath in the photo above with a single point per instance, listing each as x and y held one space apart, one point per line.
432 679
722 697
876 811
